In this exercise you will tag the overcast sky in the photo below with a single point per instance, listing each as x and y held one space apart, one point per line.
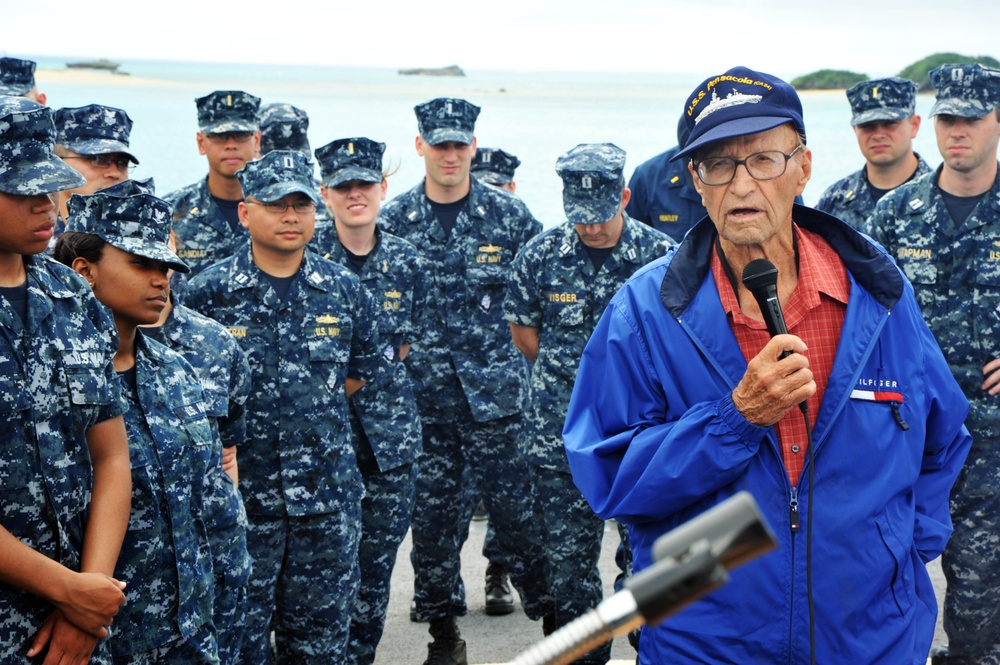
876 37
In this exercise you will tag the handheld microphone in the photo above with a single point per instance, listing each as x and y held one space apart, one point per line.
761 278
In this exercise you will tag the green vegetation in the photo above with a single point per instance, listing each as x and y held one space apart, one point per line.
919 70
828 79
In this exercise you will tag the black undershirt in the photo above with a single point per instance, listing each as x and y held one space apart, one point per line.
17 296
598 255
877 192
355 261
129 381
230 210
447 213
281 285
960 207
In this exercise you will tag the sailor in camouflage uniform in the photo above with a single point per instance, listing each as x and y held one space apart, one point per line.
224 373
471 379
17 79
206 222
944 231
310 335
885 123
117 240
64 469
94 140
558 288
384 418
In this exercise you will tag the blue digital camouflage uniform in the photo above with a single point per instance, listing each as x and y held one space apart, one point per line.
851 198
283 127
201 231
165 558
387 433
298 474
889 99
554 288
471 385
56 381
385 425
955 271
224 374
203 235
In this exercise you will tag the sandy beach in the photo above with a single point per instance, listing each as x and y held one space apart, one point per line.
96 77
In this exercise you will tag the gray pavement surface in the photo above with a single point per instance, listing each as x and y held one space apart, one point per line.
499 639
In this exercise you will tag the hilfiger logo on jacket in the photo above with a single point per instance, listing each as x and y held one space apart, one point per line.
885 391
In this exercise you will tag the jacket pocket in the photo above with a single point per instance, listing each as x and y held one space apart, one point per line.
902 578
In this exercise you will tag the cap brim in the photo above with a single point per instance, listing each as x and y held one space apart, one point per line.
591 211
228 126
46 177
879 114
493 178
445 134
964 108
149 250
731 129
15 90
280 190
101 147
349 173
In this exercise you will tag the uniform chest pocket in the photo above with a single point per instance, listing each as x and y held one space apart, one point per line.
193 416
565 309
328 359
919 271
86 381
988 262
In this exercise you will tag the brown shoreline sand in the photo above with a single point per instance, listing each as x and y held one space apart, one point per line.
98 76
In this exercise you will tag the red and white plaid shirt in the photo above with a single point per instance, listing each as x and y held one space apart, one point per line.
815 313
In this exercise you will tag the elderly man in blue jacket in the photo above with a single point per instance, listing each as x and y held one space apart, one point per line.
684 398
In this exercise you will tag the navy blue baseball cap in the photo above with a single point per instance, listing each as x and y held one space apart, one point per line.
738 103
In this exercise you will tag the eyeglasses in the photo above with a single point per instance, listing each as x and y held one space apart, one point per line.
104 161
223 137
766 165
279 207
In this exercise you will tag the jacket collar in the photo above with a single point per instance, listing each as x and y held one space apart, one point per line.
866 261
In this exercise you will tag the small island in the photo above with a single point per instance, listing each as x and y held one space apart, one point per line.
452 70
841 79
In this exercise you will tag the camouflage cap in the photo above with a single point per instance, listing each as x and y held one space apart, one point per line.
277 174
968 91
738 102
344 160
28 165
592 175
228 111
447 119
94 130
890 98
17 76
283 127
129 217
494 166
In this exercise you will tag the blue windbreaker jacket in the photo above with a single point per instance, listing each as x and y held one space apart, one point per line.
653 439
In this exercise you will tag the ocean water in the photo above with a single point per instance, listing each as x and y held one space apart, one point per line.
534 115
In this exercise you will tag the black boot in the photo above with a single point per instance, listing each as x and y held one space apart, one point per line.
499 600
448 648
